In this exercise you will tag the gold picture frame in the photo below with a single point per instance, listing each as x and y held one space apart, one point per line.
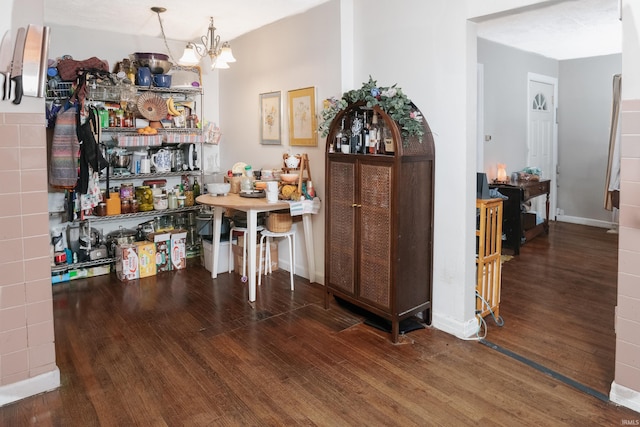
302 117
271 118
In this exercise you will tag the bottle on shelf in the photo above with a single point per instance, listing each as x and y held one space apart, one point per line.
365 134
356 133
387 140
374 129
196 187
337 146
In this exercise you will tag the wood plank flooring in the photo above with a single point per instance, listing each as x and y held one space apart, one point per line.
558 303
181 349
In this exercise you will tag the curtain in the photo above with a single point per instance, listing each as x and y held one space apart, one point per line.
612 185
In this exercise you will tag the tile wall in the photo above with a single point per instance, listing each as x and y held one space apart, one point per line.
628 310
26 309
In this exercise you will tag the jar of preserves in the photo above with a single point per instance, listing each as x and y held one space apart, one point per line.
125 206
189 200
145 198
126 191
101 209
134 206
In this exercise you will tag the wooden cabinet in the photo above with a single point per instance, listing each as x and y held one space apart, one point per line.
520 226
379 224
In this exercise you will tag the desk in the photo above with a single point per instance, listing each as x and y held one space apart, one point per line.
252 206
512 224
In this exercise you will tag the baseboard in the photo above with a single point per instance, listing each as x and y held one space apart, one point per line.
585 221
624 396
30 387
455 327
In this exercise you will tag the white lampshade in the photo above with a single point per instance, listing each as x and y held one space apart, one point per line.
226 54
189 56
219 64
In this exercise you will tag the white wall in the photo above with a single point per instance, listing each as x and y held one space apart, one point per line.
505 100
296 52
16 14
423 47
584 114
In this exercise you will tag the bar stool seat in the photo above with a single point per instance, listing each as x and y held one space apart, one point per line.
266 236
244 232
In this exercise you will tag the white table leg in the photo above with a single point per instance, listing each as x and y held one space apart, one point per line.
217 225
250 245
308 240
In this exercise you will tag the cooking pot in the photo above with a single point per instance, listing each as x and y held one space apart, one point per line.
119 237
121 159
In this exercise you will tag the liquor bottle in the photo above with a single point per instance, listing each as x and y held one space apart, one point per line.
196 187
365 134
356 134
387 140
337 146
373 134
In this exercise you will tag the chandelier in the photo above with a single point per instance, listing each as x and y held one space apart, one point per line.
219 53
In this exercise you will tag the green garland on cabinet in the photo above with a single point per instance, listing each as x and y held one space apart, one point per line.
390 99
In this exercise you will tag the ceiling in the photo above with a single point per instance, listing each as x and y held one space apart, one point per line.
563 30
185 20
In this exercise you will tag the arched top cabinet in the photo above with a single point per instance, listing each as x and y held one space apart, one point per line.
379 218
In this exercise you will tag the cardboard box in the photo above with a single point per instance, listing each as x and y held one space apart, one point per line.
178 249
127 262
162 243
237 258
146 258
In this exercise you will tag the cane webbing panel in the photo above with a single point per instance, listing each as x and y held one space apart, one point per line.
375 233
342 229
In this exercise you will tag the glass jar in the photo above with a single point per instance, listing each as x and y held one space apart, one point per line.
160 202
172 200
126 191
145 198
181 201
189 200
125 206
134 206
101 209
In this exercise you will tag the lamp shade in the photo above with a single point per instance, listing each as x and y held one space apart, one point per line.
226 54
189 56
219 64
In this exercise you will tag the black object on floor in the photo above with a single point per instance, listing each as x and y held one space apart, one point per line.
406 325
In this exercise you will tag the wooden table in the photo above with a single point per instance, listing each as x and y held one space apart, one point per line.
519 193
252 206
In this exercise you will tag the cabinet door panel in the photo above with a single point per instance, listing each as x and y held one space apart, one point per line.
375 233
341 235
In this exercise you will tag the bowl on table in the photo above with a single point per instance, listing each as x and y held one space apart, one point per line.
216 188
289 177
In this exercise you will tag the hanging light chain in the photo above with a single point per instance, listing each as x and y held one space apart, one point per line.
158 11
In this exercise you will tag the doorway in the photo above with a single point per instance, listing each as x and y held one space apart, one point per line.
538 153
542 134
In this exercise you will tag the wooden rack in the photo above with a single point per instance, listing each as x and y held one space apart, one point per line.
488 259
303 167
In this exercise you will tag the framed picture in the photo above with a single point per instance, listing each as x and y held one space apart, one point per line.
302 117
270 118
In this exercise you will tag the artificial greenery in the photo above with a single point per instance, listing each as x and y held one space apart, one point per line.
390 99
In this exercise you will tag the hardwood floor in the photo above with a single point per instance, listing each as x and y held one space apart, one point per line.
183 349
558 303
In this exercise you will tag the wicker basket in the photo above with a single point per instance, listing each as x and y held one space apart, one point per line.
279 221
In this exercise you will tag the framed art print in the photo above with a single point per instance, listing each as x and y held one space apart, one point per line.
270 118
302 117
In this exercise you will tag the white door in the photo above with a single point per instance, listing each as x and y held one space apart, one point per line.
542 136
